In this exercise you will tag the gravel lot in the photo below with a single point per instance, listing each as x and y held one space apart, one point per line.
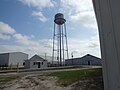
43 82
35 82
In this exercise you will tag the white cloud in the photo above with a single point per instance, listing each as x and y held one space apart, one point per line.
34 47
22 39
24 43
25 40
76 6
86 19
15 48
79 12
40 16
6 29
79 48
39 4
85 46
46 42
5 37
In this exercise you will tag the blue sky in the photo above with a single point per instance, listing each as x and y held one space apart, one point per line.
27 26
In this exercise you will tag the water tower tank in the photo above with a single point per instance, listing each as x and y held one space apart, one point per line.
59 19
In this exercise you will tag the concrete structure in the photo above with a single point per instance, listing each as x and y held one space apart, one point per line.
35 62
85 60
108 18
7 59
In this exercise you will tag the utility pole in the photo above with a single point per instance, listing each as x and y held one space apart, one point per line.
72 57
45 55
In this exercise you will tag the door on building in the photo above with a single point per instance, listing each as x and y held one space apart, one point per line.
88 62
38 64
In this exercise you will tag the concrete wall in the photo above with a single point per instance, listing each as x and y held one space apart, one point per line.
17 57
4 59
108 18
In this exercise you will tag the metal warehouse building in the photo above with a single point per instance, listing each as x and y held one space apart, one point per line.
85 60
7 59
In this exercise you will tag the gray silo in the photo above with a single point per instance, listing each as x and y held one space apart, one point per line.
60 46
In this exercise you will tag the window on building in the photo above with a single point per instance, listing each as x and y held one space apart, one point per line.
33 63
42 63
23 63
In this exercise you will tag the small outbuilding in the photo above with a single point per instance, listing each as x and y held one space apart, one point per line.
35 62
85 60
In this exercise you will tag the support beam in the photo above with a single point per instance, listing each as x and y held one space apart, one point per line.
108 18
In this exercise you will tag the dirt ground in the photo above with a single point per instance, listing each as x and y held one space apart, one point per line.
35 82
42 82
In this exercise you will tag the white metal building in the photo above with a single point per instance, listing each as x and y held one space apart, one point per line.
85 60
108 18
7 59
35 62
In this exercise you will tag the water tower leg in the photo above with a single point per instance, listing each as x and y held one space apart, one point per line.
108 18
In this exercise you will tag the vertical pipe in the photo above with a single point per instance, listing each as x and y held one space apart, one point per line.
53 45
63 44
45 56
60 45
66 41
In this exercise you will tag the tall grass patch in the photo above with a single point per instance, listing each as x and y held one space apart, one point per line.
68 77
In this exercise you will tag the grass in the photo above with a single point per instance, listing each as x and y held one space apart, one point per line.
5 80
68 77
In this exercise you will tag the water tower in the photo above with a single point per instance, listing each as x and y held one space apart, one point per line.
60 46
